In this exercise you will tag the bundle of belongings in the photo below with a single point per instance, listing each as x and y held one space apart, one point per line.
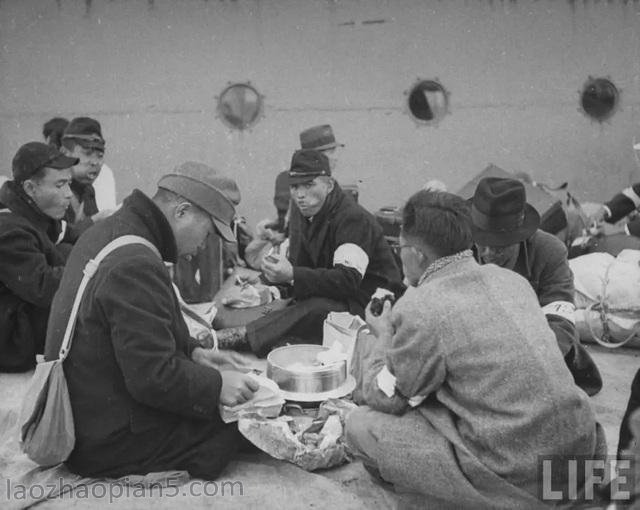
310 438
608 297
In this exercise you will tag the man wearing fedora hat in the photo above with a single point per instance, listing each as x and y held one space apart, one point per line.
505 232
145 396
32 252
338 256
321 138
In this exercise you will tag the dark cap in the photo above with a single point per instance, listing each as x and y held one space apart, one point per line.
320 138
500 214
86 132
306 165
214 193
34 156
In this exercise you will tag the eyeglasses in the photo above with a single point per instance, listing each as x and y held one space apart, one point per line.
401 246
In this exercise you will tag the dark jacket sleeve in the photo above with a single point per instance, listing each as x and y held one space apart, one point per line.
75 230
341 281
555 284
634 227
139 303
24 269
621 205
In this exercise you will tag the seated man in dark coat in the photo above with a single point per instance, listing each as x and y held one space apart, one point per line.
505 233
144 395
338 256
31 256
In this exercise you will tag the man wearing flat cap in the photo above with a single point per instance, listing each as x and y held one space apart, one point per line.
32 255
82 139
145 395
505 232
338 256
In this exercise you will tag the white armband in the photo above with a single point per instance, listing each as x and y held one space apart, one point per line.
631 195
386 382
563 309
351 255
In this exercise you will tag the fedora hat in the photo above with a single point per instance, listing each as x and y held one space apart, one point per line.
500 214
320 138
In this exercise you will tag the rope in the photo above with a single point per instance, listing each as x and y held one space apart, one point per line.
603 309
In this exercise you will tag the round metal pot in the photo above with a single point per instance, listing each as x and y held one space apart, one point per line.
295 369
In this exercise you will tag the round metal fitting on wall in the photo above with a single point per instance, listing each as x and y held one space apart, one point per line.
240 106
599 98
427 101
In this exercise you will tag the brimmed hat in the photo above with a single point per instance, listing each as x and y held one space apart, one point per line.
320 138
86 132
306 165
34 156
213 192
500 214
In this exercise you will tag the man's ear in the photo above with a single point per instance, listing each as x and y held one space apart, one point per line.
29 188
181 209
331 184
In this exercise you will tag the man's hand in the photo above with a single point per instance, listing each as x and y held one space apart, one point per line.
222 359
599 216
237 388
277 269
380 325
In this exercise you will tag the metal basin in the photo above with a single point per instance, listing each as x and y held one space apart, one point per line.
295 369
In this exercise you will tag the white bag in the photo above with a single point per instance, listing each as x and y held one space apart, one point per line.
339 333
608 287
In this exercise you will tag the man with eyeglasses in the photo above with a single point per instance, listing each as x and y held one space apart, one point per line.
32 256
505 233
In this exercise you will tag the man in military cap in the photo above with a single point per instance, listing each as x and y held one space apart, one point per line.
31 255
144 394
338 256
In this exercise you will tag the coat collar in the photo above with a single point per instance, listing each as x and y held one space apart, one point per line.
154 220
13 197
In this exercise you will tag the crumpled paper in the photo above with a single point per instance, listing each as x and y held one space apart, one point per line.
248 295
309 442
267 402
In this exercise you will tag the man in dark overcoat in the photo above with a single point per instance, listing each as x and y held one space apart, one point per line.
338 256
505 233
144 395
32 252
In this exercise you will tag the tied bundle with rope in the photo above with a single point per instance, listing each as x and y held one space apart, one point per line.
608 292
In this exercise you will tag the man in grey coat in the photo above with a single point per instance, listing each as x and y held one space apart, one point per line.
464 385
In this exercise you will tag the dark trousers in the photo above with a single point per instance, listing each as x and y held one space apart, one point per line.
299 323
625 438
203 448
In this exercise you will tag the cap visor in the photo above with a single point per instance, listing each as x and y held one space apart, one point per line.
62 161
91 144
224 230
301 179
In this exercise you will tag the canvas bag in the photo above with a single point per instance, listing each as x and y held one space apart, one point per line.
47 433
